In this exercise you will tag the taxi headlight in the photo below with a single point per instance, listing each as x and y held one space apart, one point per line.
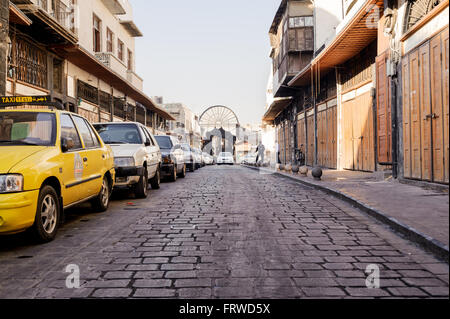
11 183
124 162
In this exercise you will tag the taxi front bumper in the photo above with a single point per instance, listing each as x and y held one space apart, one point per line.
17 211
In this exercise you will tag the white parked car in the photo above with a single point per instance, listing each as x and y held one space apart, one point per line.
249 159
137 156
209 160
225 158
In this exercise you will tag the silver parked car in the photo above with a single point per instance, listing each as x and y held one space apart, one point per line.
173 164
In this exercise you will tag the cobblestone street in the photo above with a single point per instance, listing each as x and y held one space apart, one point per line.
222 232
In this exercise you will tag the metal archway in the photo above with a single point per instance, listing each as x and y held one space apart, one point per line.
217 117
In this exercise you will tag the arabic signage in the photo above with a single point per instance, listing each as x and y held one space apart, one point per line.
19 100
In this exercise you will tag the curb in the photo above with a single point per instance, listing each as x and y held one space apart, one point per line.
431 245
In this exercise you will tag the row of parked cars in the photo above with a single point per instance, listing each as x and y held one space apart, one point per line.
51 160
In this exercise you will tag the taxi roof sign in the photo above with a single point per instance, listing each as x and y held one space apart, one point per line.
37 100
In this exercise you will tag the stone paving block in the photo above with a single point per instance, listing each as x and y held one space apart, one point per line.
366 292
122 283
195 293
118 274
407 292
180 274
112 293
315 282
152 283
154 293
323 292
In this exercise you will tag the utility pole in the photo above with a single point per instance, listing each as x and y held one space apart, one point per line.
4 31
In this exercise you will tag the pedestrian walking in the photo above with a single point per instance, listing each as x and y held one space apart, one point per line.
261 150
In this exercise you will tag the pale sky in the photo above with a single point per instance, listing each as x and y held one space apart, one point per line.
206 52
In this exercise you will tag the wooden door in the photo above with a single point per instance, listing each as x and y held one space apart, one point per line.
321 132
358 130
384 127
406 119
357 136
445 102
334 137
414 104
301 135
329 138
367 132
425 111
437 110
347 145
310 133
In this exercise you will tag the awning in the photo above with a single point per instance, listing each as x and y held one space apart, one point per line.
86 61
359 32
17 16
278 105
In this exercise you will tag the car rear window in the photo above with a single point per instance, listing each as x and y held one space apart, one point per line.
164 142
119 133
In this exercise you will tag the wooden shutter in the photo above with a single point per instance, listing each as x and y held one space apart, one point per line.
383 111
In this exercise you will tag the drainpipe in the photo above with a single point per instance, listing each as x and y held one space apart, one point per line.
316 138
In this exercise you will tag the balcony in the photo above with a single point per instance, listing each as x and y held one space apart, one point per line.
116 7
55 17
112 62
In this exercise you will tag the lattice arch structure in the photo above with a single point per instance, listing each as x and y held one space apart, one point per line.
217 117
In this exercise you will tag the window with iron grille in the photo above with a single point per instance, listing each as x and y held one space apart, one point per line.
140 115
130 112
105 101
87 92
30 63
150 115
119 105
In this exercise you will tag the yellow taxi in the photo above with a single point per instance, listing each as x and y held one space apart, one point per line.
49 160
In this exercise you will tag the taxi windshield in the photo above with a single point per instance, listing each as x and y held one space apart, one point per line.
27 128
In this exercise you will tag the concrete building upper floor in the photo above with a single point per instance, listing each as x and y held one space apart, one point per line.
103 28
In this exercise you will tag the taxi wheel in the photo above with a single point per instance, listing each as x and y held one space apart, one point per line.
183 172
101 202
48 214
155 182
141 188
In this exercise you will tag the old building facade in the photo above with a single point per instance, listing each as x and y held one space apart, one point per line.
186 124
375 93
82 54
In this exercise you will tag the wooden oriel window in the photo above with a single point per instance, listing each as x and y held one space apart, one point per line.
97 34
120 50
130 60
109 40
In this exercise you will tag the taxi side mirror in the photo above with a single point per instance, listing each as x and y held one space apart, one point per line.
148 143
66 144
